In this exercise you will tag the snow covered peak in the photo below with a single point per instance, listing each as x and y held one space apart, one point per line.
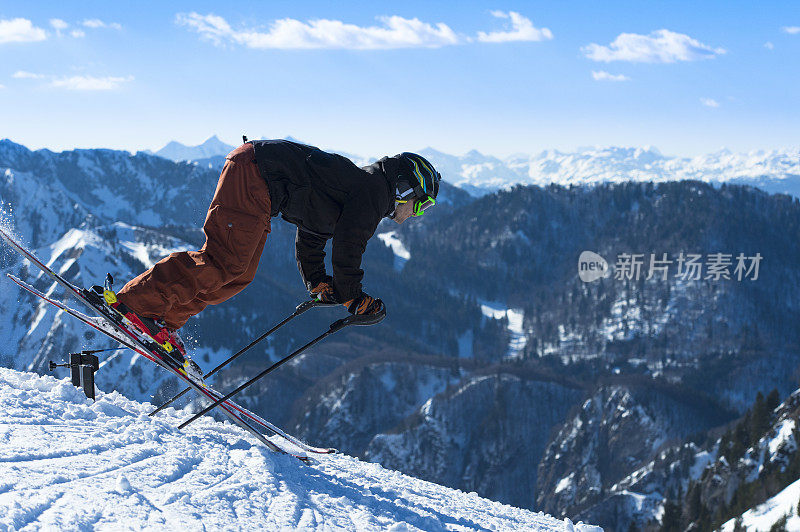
11 152
66 462
771 170
180 152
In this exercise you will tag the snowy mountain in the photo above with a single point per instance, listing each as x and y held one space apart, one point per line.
474 172
741 478
619 428
770 170
69 463
175 151
775 171
492 346
476 434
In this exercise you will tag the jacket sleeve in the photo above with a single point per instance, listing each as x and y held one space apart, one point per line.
309 250
360 216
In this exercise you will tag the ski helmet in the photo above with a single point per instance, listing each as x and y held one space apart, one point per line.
418 178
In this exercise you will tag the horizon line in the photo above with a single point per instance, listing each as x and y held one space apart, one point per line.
578 149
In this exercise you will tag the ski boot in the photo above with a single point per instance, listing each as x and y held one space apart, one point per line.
167 339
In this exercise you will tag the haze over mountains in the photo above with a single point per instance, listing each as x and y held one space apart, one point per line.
775 170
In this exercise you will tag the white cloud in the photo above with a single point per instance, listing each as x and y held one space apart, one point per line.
394 32
22 74
600 75
2 86
79 83
95 23
709 102
20 30
522 29
769 46
89 83
791 30
661 46
58 24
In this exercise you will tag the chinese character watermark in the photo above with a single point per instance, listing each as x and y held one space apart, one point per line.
684 266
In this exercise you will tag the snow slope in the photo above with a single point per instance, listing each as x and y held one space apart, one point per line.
67 463
763 516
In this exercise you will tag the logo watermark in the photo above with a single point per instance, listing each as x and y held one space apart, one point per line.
685 266
592 267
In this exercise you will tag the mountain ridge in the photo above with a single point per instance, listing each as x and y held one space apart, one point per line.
775 171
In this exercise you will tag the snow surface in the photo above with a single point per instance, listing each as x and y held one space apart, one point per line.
401 254
67 463
782 437
763 516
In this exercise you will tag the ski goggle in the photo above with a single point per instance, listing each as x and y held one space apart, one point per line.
420 205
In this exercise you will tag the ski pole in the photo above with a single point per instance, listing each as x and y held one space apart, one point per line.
302 307
334 327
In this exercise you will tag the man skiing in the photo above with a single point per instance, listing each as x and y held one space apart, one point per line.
324 194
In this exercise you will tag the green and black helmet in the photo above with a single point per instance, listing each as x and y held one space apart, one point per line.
417 179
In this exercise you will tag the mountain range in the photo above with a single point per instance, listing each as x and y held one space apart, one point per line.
539 390
775 170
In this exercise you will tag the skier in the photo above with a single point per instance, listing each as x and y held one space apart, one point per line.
324 194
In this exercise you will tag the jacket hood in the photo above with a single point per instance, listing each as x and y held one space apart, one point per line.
389 167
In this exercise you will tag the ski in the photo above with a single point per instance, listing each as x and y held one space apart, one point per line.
105 324
101 325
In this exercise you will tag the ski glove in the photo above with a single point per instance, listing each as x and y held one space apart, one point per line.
324 291
364 305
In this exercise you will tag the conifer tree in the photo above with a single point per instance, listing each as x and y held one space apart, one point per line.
759 422
773 400
671 521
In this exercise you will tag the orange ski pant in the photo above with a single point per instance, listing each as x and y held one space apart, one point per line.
236 227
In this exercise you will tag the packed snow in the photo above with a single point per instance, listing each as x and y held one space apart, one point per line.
69 463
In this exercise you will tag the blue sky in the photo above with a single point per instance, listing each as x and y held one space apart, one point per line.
383 77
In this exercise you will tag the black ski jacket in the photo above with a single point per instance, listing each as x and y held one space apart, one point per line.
327 196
